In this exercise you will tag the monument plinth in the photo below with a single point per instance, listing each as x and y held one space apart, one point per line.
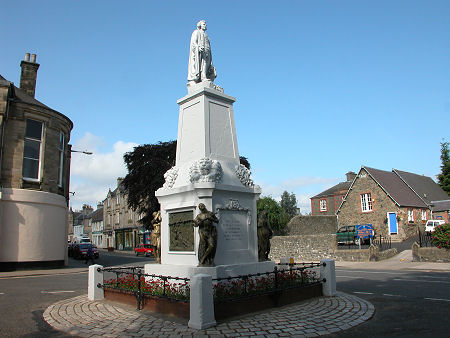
207 172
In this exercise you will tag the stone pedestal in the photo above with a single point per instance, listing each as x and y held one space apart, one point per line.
208 171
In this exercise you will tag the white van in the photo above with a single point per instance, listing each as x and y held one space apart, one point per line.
81 239
429 227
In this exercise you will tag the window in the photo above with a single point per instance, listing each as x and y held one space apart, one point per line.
32 150
366 202
410 215
117 218
323 205
61 158
117 198
424 215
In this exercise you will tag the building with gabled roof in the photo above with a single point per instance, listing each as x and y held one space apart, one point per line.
395 202
327 202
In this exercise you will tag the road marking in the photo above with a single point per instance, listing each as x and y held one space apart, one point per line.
44 275
57 291
2 293
445 300
363 293
349 276
383 272
420 280
391 295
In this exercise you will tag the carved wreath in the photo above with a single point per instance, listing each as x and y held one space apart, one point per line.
244 175
233 205
205 170
170 177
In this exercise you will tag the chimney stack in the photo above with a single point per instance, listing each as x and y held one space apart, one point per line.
350 176
29 74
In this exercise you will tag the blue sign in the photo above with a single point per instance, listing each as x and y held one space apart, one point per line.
364 231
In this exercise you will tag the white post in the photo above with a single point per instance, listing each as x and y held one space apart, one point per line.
95 278
201 302
328 273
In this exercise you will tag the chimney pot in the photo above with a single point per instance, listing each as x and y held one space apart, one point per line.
27 57
33 58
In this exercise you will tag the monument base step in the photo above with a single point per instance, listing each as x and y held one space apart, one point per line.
219 271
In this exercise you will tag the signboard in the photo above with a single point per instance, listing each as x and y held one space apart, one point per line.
364 231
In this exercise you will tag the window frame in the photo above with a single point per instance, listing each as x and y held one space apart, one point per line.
366 202
32 179
61 147
410 215
323 205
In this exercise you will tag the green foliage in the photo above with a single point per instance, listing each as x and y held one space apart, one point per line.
444 176
289 203
147 165
277 217
441 236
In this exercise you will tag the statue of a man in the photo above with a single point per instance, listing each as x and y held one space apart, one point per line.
155 238
200 67
208 236
264 235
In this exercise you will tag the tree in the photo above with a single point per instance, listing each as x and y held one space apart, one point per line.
277 217
289 203
444 176
147 165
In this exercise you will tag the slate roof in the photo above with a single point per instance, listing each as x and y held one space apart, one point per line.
441 205
4 82
97 215
396 188
338 187
423 186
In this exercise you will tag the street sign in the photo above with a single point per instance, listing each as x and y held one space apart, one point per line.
364 231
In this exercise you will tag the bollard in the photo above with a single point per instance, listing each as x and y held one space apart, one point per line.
328 273
95 277
201 302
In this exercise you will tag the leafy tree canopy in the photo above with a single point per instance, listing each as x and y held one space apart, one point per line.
289 203
444 176
277 217
146 166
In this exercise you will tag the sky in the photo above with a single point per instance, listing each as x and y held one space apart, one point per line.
321 87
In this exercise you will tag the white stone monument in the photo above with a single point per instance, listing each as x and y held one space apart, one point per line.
207 171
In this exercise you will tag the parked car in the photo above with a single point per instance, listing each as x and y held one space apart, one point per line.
80 250
431 224
346 235
143 249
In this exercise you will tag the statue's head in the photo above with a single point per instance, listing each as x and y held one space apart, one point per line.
201 24
202 207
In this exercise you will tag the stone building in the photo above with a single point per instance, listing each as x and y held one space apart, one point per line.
396 203
328 201
34 175
121 224
97 226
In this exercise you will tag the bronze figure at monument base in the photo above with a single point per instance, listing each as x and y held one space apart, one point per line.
208 236
264 235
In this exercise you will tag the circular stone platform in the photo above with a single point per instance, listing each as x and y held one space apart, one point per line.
315 317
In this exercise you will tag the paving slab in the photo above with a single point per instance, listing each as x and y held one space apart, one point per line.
314 317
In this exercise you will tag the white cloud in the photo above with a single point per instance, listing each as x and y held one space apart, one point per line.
92 175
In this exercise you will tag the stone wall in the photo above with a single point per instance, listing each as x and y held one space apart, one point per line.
432 254
312 225
307 248
303 248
